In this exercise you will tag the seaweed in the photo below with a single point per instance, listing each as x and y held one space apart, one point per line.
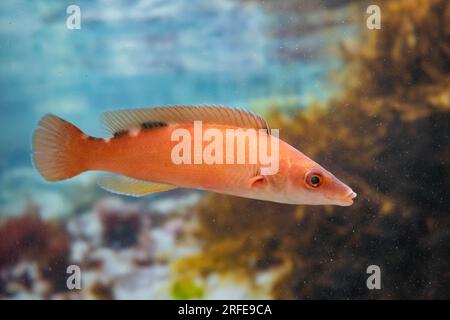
387 136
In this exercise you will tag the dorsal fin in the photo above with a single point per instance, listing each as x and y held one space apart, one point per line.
123 120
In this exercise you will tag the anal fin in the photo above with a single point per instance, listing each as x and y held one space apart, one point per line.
131 187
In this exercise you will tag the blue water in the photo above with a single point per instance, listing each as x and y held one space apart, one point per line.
143 53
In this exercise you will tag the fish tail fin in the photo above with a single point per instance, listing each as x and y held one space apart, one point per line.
59 149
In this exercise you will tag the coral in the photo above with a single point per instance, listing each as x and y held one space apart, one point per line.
121 224
101 291
29 238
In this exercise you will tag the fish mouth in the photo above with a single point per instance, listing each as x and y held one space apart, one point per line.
348 199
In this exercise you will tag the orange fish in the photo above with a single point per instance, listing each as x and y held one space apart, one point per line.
139 157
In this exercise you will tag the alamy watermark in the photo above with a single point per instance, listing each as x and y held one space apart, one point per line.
73 21
374 20
234 146
374 280
74 279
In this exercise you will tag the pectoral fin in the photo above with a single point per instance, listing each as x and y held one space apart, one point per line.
257 181
131 187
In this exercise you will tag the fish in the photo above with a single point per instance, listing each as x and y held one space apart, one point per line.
137 158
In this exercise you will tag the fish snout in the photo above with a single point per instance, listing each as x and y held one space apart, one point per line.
351 195
348 198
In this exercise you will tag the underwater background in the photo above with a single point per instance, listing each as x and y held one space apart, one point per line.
373 106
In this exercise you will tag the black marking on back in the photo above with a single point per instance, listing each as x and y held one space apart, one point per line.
120 133
94 138
153 124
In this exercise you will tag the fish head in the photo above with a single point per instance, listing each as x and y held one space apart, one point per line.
309 183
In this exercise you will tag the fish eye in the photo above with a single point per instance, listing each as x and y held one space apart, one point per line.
313 179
